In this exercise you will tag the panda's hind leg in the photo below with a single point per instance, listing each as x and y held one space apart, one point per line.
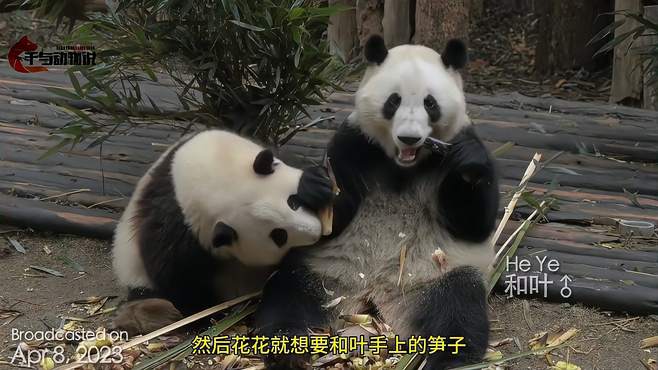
291 304
453 306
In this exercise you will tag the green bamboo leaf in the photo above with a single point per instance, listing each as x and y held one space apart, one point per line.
63 93
606 31
498 270
54 149
409 362
75 82
501 150
618 40
84 116
247 26
484 365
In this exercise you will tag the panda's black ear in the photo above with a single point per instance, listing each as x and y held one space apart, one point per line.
264 162
223 235
455 56
375 50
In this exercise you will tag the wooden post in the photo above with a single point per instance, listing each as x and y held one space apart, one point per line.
650 92
438 21
369 15
342 31
396 23
565 28
626 76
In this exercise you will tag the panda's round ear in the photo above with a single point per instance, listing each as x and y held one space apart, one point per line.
375 50
264 162
455 56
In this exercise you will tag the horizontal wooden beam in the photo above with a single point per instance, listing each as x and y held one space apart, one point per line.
56 218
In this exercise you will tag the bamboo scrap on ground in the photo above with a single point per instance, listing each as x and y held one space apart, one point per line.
171 327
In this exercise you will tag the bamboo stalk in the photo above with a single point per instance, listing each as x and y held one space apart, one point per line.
529 172
326 214
518 229
65 194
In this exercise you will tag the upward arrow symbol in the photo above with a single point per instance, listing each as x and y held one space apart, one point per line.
566 278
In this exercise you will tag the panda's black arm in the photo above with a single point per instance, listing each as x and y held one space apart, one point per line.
354 160
469 196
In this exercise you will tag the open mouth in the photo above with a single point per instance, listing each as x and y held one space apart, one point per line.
407 156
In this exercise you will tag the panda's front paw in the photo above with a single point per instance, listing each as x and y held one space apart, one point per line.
315 190
476 174
470 160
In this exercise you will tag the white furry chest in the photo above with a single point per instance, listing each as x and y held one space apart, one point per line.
368 252
366 257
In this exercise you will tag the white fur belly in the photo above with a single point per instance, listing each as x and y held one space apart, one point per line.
365 260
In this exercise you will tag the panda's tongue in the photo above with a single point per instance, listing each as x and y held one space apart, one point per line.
407 155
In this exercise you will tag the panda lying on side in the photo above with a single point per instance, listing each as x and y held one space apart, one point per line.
207 223
397 195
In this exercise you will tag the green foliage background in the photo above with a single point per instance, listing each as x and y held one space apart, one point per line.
247 65
648 52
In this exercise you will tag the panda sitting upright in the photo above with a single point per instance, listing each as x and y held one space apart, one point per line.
208 222
399 198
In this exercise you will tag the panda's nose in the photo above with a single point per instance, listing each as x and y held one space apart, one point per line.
409 140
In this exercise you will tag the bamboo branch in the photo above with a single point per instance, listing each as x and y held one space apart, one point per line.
180 323
529 172
511 237
65 194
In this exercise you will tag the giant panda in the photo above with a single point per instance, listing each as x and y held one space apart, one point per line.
397 194
208 222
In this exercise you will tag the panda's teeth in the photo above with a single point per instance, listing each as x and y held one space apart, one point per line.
407 155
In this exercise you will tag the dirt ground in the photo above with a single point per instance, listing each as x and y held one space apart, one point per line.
604 341
42 299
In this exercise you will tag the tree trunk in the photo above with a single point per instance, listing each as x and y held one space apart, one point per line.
369 15
650 92
438 21
396 23
342 31
626 77
565 28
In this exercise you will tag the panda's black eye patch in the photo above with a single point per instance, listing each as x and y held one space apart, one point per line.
293 202
279 236
223 235
432 108
391 105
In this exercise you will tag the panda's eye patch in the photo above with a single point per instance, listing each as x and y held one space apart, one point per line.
223 235
293 202
279 236
432 108
391 105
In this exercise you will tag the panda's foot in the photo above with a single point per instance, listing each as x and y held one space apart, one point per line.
146 315
288 362
440 260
